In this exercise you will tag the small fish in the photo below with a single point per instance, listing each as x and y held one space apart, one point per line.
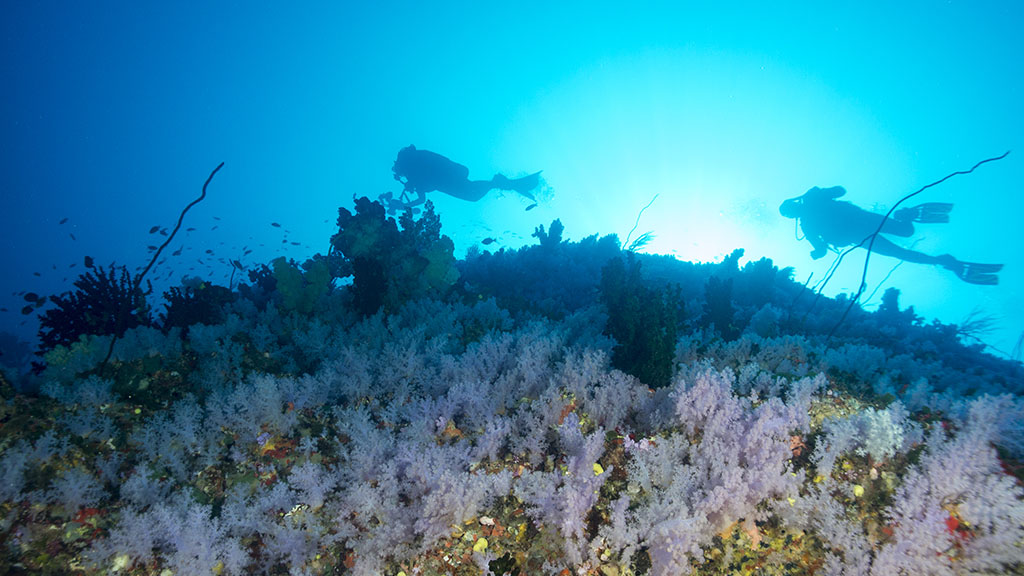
154 229
176 252
531 206
73 264
200 261
237 264
295 244
208 251
190 229
72 236
63 220
27 310
151 248
36 274
216 217
214 228
163 231
31 297
275 224
487 241
247 252
88 262
3 309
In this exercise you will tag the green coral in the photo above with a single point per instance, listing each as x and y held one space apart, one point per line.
551 238
301 291
643 320
392 266
65 362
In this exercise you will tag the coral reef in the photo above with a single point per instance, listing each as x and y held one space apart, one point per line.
392 266
643 321
300 290
104 302
564 408
188 305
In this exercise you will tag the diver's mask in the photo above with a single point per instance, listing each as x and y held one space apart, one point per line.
791 208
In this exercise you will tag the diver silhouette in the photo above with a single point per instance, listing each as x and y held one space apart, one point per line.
830 223
422 171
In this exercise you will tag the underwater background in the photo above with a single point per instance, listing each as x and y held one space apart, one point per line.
113 118
533 395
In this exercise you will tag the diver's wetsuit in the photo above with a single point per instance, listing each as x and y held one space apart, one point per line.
422 171
828 222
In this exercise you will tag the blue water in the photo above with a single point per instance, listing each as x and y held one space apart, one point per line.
113 118
691 124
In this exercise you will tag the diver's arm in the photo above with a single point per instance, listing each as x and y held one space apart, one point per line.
820 246
835 192
825 193
421 197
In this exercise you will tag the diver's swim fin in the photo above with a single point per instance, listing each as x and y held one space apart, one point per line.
522 185
973 272
927 213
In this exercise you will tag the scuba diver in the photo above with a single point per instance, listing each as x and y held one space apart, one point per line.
422 171
830 223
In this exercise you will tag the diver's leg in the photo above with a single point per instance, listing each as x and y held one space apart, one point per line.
885 246
970 272
901 228
470 190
